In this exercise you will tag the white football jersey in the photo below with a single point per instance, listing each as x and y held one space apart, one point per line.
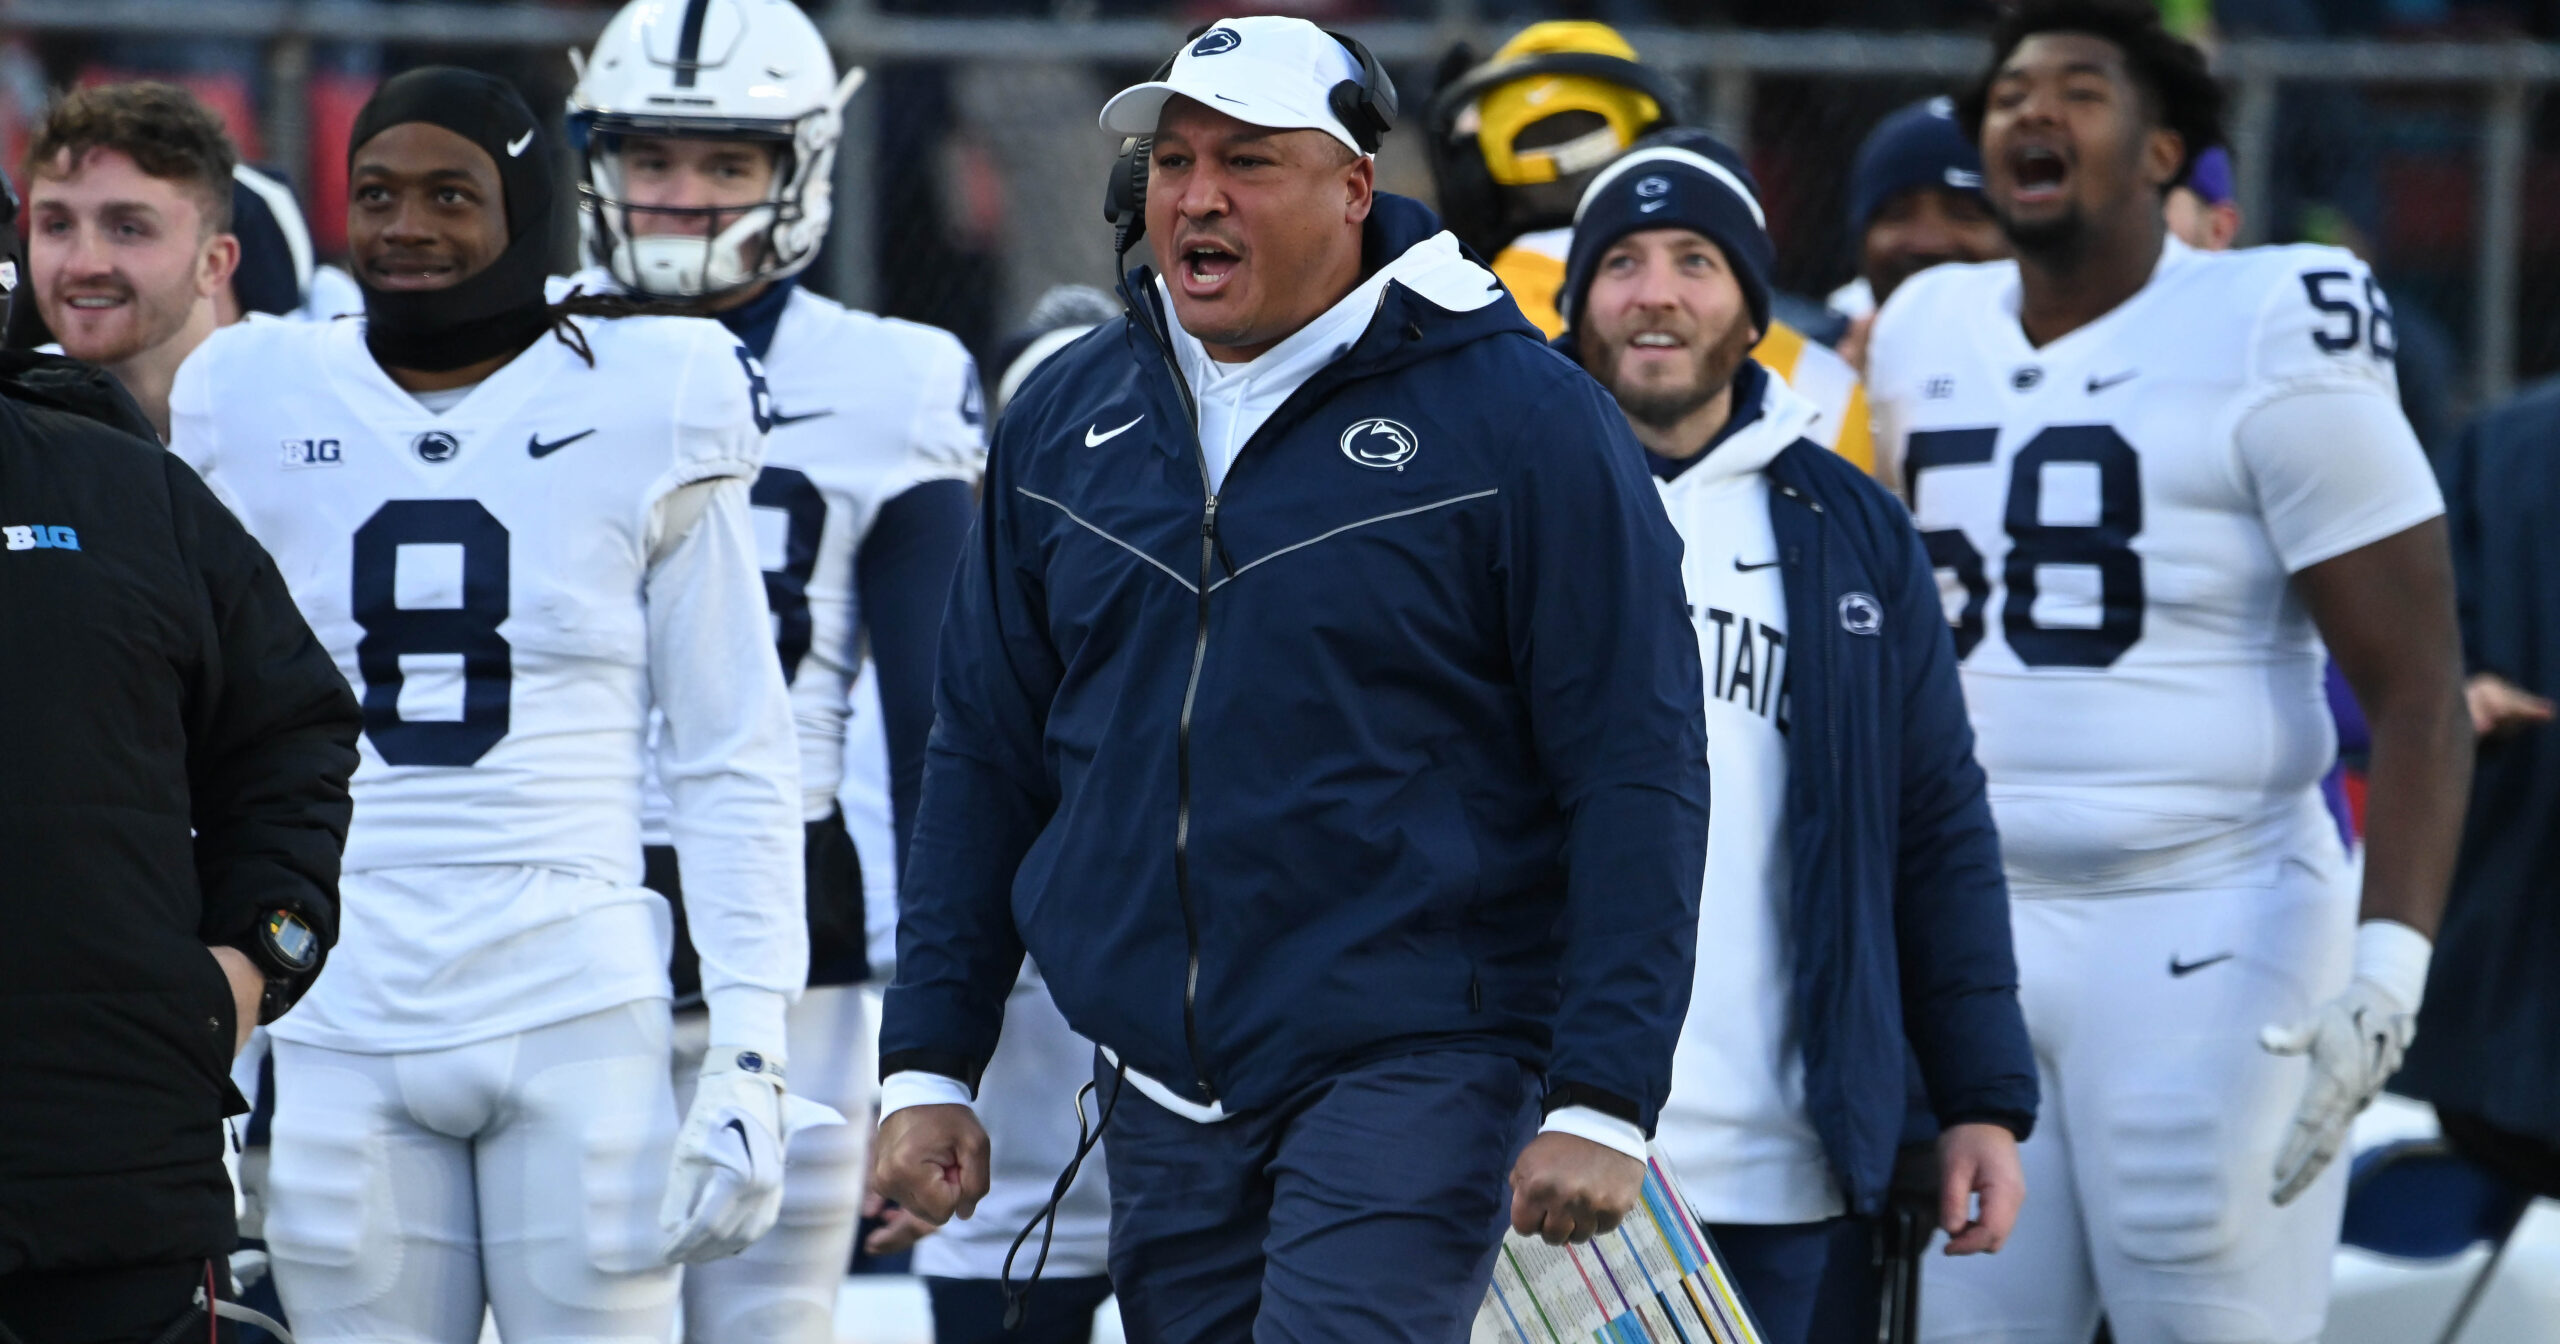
2115 518
485 578
477 573
865 408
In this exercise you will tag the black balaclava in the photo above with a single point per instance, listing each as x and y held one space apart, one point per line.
500 309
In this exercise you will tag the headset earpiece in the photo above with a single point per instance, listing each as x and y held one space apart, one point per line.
1366 107
1124 197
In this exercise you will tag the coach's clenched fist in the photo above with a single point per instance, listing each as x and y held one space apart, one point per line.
1565 1188
932 1160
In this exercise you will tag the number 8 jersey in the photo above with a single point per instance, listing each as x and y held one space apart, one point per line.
487 572
2115 518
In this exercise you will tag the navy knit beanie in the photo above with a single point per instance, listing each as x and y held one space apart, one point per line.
1919 146
1679 179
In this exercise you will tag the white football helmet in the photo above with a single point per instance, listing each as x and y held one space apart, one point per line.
752 70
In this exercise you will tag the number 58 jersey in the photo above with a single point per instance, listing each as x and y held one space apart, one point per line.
2115 518
478 572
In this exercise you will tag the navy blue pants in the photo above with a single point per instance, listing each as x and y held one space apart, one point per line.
1806 1283
1365 1209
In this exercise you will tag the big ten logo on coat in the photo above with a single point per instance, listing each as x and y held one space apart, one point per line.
39 537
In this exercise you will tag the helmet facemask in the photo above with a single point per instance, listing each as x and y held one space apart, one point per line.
760 242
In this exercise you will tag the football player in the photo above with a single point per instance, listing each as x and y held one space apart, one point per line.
2154 482
705 180
1514 141
515 529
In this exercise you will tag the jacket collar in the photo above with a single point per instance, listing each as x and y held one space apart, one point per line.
1424 291
1768 418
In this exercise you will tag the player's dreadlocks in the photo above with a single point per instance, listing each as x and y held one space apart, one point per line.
579 302
2183 94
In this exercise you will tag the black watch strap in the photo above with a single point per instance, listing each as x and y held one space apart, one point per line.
286 950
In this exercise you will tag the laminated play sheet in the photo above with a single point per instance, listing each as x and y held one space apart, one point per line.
1656 1280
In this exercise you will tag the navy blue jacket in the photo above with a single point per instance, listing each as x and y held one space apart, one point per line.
1396 744
1901 911
2488 1042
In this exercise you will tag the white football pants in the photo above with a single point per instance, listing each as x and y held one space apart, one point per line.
782 1289
524 1173
2151 1170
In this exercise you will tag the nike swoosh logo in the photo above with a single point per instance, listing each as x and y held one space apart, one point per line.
2098 385
2179 968
1092 438
533 443
742 1134
1650 206
515 147
779 419
1741 568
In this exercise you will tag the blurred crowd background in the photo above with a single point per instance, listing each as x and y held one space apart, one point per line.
2413 131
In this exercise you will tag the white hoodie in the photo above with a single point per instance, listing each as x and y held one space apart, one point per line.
1735 1128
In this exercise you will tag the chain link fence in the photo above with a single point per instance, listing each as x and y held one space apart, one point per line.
970 178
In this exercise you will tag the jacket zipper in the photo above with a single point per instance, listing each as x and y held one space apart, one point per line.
1207 1093
1137 303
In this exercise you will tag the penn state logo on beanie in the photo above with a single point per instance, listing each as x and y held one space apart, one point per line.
1680 179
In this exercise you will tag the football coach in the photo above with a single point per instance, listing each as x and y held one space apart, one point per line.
1318 709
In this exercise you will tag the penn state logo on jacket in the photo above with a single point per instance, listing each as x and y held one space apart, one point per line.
1381 443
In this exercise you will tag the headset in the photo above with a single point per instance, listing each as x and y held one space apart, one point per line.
1468 193
1366 107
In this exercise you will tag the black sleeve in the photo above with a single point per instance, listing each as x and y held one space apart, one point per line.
271 733
902 576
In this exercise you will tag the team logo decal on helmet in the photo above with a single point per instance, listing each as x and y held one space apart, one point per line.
1380 443
745 70
1217 42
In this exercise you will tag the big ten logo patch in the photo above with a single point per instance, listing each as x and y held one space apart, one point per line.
304 453
39 537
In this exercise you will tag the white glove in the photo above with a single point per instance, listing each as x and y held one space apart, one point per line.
725 1189
2355 1042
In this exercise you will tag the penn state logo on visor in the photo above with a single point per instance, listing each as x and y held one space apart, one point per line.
435 446
1217 41
1653 186
1380 443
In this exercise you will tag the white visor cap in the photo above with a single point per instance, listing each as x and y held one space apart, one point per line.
1264 71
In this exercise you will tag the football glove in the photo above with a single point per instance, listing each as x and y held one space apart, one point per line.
2355 1042
725 1188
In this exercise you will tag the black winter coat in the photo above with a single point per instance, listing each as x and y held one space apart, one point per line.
174 754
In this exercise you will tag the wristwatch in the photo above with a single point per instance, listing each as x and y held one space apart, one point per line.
285 950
